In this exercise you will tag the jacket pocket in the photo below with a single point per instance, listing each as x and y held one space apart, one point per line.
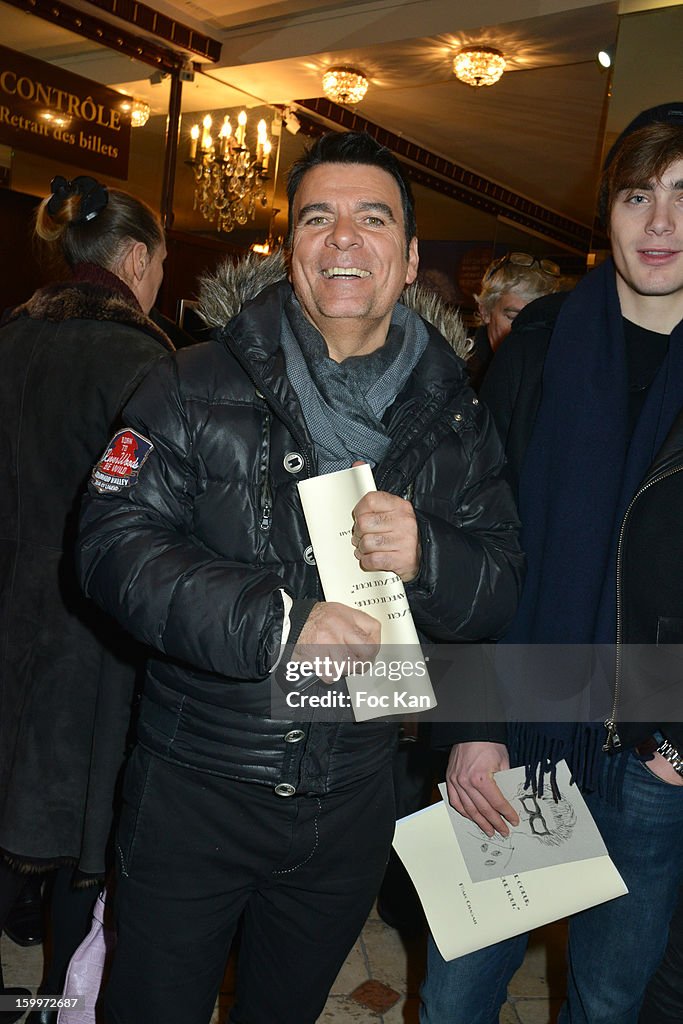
669 630
134 790
657 780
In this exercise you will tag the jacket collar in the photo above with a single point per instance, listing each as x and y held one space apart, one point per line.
84 300
417 421
233 286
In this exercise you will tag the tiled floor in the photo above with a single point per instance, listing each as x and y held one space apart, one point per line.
379 982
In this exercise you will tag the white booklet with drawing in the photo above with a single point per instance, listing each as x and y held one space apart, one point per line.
553 864
398 682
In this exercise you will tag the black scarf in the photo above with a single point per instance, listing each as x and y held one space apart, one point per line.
579 474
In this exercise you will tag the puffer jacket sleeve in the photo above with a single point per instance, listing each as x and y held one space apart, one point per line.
472 565
138 561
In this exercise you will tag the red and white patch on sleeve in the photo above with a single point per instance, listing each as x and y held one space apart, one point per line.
120 466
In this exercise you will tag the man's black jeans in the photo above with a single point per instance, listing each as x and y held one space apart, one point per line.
197 851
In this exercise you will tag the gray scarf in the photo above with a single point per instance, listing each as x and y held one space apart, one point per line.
343 403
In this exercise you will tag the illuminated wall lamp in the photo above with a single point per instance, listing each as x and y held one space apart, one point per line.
139 112
605 58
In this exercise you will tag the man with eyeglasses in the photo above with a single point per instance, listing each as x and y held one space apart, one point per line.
511 281
587 394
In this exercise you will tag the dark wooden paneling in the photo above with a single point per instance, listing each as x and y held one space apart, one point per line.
189 256
21 272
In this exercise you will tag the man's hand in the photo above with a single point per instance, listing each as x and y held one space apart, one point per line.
340 633
385 535
472 790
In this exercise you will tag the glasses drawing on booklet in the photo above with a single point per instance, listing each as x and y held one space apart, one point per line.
542 819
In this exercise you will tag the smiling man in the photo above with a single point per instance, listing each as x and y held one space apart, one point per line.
230 813
587 393
348 288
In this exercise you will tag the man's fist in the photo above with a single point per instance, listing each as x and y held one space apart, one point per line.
385 535
339 632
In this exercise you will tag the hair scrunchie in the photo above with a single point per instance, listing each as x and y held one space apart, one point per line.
94 196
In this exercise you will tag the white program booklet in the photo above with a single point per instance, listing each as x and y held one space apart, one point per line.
466 914
399 682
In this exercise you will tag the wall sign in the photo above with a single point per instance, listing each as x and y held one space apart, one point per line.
47 110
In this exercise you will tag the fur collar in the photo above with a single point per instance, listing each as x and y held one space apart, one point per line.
81 300
223 294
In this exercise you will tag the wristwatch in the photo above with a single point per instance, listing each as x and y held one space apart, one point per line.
673 756
660 745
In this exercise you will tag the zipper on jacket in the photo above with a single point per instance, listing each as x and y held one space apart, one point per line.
266 509
267 395
264 467
613 741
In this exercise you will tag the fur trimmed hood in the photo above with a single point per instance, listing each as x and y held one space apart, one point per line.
223 294
80 300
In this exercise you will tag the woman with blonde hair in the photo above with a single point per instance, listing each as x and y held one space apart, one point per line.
509 284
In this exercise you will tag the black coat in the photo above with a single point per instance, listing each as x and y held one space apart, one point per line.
647 691
192 559
69 359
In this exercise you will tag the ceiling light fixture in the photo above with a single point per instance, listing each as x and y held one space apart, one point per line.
139 112
139 115
478 65
345 85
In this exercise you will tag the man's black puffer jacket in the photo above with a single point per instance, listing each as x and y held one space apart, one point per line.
193 558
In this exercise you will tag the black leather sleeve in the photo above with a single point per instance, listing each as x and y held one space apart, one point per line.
140 563
472 565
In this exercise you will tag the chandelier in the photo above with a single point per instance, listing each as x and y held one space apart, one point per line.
345 85
228 176
479 65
